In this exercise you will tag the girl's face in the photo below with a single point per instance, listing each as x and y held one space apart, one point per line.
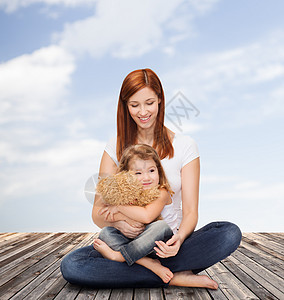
146 172
143 107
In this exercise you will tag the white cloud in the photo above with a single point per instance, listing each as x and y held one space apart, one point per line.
252 64
248 191
55 168
203 6
187 126
213 179
120 28
67 153
232 82
13 5
252 205
33 84
128 28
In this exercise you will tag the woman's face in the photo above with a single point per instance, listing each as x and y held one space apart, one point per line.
143 107
146 171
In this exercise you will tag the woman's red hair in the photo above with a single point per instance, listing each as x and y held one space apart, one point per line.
127 128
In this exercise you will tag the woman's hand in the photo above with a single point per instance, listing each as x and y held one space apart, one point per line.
170 248
135 224
128 230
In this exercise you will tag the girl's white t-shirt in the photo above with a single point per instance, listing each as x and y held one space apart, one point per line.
185 150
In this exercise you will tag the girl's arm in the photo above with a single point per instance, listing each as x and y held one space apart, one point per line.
190 174
120 222
145 214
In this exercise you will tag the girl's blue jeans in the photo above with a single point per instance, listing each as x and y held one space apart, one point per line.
202 249
141 246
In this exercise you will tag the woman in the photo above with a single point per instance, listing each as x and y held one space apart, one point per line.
140 119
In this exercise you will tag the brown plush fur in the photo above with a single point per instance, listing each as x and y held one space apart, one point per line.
124 188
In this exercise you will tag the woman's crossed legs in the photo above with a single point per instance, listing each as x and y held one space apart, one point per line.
205 247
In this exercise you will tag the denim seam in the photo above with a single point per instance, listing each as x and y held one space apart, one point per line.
127 258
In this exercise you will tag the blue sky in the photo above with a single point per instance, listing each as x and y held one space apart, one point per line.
62 63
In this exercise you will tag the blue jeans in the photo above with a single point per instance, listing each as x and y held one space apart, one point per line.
141 246
202 249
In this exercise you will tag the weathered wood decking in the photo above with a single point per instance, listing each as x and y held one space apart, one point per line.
29 269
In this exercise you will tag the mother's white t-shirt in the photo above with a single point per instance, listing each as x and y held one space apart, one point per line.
185 150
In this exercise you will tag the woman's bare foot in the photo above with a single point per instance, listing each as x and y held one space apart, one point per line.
107 252
188 279
155 266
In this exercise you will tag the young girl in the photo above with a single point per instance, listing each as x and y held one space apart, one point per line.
144 162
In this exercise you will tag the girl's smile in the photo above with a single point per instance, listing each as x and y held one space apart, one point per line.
146 171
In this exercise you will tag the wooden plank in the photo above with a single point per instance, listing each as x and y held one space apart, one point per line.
279 234
173 293
261 270
141 294
20 242
33 284
14 237
215 294
6 235
244 247
69 292
5 259
273 237
156 294
24 261
50 287
250 282
26 277
201 293
263 276
230 285
263 247
254 271
16 267
103 294
263 260
121 294
87 294
38 285
266 242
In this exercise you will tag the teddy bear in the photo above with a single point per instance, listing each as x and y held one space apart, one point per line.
124 188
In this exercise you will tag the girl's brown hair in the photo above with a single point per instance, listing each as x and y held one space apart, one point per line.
126 126
144 152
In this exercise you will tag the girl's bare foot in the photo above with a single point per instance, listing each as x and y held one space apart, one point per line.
155 266
188 279
107 252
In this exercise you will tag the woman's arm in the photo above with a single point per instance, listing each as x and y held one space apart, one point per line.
145 214
190 174
107 167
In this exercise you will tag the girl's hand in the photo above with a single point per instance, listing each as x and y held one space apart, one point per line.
128 230
109 212
170 248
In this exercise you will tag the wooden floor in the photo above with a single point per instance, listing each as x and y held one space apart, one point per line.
29 269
